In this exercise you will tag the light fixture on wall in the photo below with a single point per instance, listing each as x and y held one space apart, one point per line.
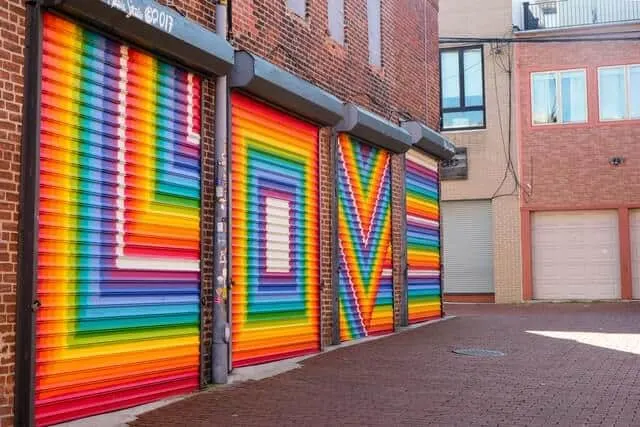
616 161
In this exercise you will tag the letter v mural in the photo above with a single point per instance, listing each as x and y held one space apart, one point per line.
364 238
365 146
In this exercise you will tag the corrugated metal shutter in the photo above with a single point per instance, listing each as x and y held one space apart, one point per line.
467 233
576 255
119 227
364 237
275 233
635 251
423 237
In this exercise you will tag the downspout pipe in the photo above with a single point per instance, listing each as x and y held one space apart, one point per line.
221 331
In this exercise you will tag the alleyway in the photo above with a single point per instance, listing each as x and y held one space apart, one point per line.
574 364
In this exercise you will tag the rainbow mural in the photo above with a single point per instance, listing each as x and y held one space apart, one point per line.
364 237
119 227
423 237
275 249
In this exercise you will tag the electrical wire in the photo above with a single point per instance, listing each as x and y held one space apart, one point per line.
506 147
507 143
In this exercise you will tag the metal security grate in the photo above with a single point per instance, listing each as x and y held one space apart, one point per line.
478 352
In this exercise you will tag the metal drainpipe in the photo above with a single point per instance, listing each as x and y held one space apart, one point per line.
221 332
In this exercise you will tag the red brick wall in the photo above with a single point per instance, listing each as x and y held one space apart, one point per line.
407 85
398 209
12 30
566 165
304 47
326 261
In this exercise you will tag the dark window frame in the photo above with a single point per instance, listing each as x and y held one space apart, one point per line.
463 108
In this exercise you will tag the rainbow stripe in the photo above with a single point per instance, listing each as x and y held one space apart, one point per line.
364 221
119 227
423 237
275 251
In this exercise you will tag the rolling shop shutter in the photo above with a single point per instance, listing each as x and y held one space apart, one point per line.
275 233
364 237
119 227
576 255
423 237
467 234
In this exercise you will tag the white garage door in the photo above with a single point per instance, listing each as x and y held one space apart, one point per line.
635 251
576 255
467 234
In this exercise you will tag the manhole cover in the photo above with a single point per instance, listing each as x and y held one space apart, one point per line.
480 352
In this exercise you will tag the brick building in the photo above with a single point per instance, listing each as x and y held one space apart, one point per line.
107 125
578 136
480 205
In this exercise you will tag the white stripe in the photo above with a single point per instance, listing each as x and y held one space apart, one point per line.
192 138
422 273
122 138
424 221
278 240
156 264
352 288
422 159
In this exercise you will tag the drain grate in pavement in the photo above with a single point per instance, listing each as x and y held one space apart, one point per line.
479 352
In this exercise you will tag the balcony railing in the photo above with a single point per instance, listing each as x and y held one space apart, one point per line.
573 13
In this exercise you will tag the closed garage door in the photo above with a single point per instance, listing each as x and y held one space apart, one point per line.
119 227
423 237
575 255
364 230
635 251
275 251
468 247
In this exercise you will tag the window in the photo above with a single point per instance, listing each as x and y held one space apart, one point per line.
462 82
375 34
559 97
298 6
619 92
336 20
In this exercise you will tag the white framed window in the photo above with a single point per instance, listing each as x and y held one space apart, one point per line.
336 20
619 92
559 97
299 7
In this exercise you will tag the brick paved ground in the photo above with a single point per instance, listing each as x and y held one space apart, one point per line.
414 379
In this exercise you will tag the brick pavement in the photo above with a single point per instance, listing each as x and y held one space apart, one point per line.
414 379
